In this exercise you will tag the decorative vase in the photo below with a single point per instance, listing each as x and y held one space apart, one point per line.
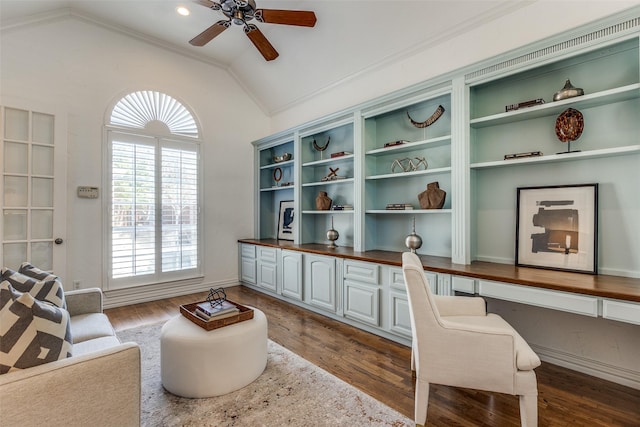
323 202
433 197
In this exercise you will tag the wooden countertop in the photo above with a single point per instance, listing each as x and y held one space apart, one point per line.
616 287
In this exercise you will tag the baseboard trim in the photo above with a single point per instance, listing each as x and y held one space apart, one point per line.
136 295
626 377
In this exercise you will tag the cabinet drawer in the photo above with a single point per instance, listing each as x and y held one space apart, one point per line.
362 271
396 279
266 254
247 251
463 284
621 310
556 300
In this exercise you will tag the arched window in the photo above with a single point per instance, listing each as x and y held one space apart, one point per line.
154 191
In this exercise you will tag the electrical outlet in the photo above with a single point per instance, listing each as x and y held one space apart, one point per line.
76 284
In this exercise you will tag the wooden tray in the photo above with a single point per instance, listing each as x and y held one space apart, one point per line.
188 311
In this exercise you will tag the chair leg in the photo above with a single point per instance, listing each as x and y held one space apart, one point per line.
413 360
529 410
422 401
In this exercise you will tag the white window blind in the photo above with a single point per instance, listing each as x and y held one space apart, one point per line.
154 232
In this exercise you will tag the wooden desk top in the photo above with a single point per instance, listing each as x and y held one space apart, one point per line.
616 287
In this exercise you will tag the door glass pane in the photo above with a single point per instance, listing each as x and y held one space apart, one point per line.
16 124
15 157
42 128
15 224
42 255
42 192
15 191
41 224
14 255
42 160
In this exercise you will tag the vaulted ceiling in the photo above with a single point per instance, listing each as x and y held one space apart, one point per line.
349 38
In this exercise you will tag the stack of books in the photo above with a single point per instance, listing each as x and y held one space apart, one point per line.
342 207
208 312
399 206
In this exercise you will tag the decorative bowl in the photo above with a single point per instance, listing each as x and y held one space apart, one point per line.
283 158
568 91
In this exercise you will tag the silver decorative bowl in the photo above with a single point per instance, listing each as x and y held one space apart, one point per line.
283 158
568 91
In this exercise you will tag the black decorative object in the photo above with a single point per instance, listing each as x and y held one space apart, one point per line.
216 297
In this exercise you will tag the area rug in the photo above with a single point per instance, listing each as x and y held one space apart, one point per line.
290 392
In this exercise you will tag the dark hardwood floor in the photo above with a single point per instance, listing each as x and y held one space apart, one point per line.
381 368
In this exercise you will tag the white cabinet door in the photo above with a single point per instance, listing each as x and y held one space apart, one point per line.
362 302
320 282
399 316
248 270
292 274
268 268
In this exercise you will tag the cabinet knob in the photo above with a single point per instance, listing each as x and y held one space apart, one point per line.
58 241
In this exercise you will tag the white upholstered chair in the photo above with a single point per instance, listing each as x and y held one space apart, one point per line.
456 343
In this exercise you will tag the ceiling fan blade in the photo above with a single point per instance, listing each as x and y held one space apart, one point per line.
260 42
210 33
206 3
302 18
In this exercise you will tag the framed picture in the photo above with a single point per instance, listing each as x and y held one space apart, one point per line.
556 227
286 220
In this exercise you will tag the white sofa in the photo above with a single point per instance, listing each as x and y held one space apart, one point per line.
99 385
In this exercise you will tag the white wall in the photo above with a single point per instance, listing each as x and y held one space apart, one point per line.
540 19
83 69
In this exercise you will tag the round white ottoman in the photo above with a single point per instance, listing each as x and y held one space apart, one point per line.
198 363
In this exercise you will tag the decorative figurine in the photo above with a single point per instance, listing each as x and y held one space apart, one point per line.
433 197
332 236
413 241
323 202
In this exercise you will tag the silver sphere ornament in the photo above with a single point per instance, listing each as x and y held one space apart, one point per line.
413 241
332 236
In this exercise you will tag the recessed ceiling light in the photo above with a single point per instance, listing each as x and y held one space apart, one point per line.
183 11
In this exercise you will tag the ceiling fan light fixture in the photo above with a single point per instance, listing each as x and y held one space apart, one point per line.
238 17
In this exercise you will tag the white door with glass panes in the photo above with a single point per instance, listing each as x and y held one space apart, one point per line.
33 186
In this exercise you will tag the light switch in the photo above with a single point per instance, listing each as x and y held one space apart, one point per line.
88 192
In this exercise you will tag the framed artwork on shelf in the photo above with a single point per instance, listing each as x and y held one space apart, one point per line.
556 227
286 220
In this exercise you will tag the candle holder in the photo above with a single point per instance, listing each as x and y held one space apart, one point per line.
332 236
413 241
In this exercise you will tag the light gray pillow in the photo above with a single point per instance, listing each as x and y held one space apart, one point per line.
33 332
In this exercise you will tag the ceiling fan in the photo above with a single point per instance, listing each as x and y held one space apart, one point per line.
240 12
